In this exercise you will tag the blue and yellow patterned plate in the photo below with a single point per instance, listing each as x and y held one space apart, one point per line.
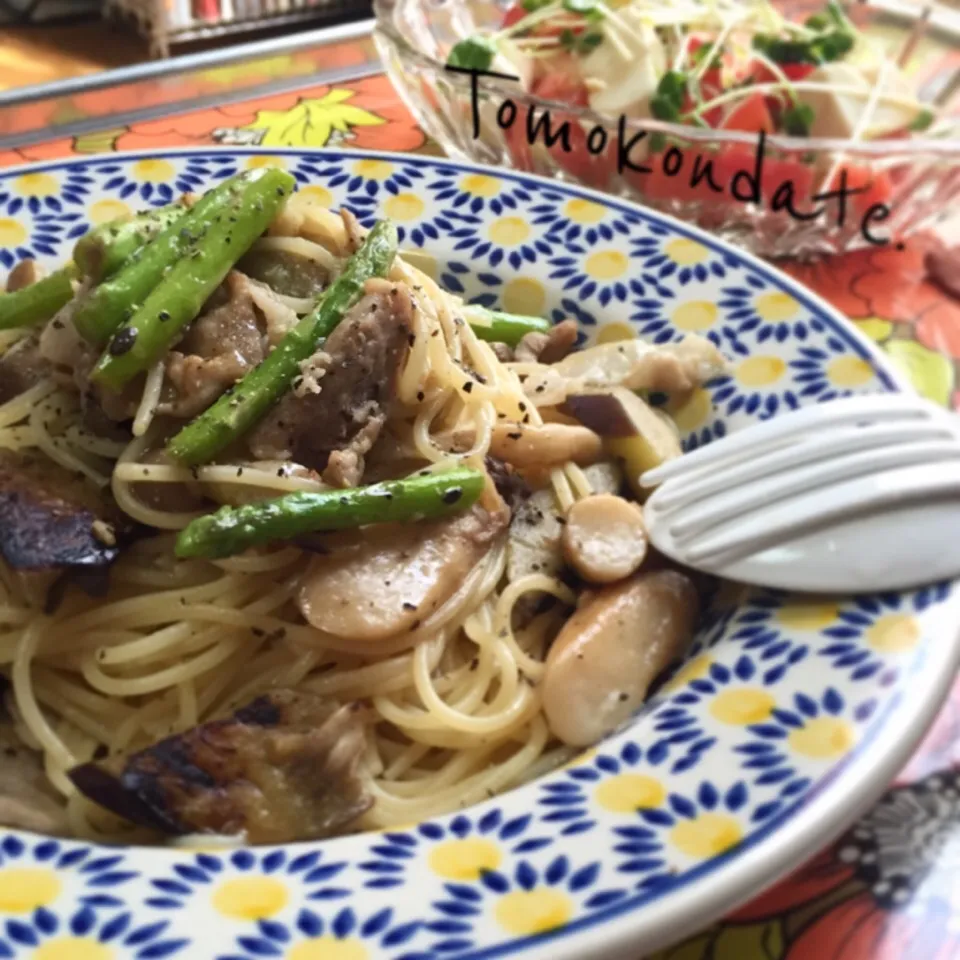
787 719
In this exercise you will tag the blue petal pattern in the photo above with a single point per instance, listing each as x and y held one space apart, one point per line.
577 833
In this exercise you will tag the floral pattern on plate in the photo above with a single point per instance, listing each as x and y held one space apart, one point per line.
780 703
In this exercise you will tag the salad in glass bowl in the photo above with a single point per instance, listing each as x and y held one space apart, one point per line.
788 135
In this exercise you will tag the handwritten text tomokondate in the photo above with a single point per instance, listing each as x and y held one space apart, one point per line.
743 178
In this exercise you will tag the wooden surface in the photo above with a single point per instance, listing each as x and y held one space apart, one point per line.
40 54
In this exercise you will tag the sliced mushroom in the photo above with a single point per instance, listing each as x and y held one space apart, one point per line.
604 477
637 365
604 539
25 274
550 346
525 445
387 580
608 653
354 232
639 435
535 531
284 768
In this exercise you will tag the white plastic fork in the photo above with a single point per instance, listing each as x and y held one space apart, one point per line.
855 494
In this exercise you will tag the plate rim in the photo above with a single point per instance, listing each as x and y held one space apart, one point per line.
849 789
803 293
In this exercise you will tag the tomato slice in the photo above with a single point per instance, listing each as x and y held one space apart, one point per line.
711 83
750 114
595 170
561 86
879 187
513 15
795 72
724 166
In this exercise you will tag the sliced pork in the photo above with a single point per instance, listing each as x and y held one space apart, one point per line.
338 407
221 346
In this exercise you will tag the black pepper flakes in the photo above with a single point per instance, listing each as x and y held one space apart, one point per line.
514 436
409 606
412 339
163 315
452 495
123 341
468 386
420 395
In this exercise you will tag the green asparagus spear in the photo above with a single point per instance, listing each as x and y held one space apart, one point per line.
497 327
422 496
110 303
37 303
237 411
105 249
181 293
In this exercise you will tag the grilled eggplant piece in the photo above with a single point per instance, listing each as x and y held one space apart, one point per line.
283 768
52 520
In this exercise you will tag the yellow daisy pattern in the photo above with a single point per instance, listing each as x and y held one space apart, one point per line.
465 859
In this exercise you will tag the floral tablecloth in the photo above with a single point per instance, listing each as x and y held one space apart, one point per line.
890 888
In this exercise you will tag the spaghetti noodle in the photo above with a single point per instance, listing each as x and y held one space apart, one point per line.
455 712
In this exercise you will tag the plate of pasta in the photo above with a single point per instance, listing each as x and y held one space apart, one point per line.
328 621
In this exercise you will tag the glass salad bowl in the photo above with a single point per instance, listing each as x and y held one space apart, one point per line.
776 195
